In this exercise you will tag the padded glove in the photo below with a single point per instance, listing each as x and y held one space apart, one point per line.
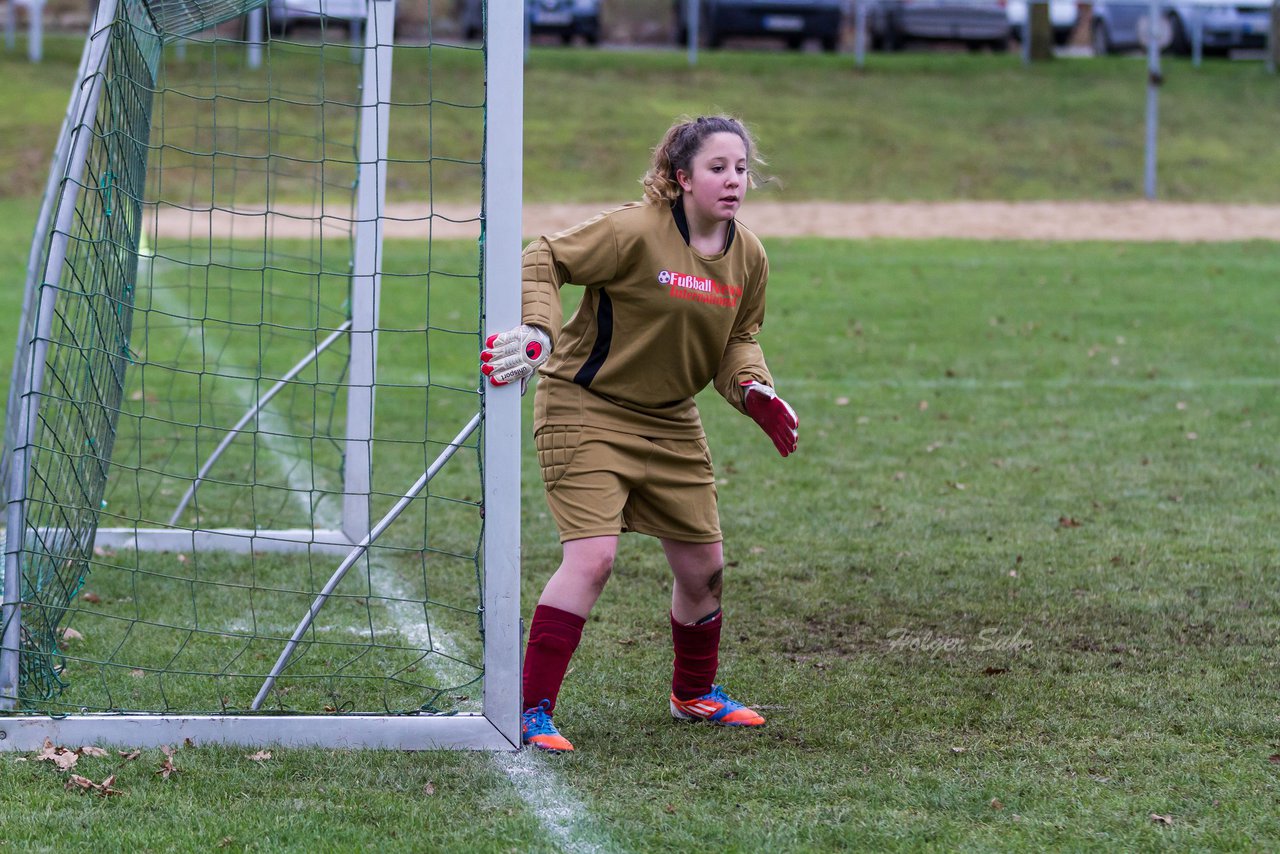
514 355
774 415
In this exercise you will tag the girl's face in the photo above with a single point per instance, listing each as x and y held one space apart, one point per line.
716 181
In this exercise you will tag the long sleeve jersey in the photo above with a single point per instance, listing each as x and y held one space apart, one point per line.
658 321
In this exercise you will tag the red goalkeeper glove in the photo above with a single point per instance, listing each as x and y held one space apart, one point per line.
514 355
774 415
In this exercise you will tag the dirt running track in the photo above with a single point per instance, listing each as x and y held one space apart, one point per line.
1119 221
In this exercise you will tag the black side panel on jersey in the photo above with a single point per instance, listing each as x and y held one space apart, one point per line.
604 340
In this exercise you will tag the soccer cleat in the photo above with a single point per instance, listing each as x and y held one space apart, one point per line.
716 707
537 730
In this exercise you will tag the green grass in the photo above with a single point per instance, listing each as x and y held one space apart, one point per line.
911 126
1016 592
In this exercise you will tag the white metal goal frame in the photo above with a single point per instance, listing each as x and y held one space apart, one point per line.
498 424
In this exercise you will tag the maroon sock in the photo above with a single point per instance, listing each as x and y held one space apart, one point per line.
697 656
553 636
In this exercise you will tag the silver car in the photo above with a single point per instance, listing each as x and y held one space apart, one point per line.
1223 25
282 14
978 23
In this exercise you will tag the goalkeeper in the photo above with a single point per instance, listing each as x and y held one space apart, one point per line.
674 297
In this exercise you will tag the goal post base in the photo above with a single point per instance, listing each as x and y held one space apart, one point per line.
335 732
234 540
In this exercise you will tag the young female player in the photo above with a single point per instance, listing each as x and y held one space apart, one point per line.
674 296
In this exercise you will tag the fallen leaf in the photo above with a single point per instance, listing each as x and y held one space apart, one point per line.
75 781
90 750
959 750
71 634
1166 820
60 756
429 789
137 673
670 809
842 401
92 598
167 767
187 742
1275 757
225 841
994 671
997 804
260 756
923 405
1069 522
130 755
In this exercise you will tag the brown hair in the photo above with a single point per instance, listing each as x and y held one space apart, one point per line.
678 147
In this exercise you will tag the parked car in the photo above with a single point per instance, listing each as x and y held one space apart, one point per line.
282 14
1225 24
1063 17
563 18
792 21
978 23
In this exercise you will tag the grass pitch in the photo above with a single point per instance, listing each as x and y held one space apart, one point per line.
1016 591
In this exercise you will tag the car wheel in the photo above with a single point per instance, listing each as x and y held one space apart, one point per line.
795 42
1179 44
276 24
830 43
893 40
1100 39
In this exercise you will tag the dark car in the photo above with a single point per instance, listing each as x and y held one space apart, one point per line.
978 23
563 18
792 21
1223 25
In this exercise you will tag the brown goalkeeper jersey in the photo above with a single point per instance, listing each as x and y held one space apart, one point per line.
658 321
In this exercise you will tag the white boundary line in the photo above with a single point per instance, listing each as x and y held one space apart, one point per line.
551 802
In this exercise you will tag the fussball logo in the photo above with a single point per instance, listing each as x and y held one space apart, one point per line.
703 289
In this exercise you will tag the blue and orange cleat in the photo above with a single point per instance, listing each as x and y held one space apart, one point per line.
537 730
716 707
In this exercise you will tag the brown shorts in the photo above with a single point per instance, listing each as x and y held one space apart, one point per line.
601 483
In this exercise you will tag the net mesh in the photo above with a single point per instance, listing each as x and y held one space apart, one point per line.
176 18
201 379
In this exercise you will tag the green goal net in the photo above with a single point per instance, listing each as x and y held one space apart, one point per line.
244 456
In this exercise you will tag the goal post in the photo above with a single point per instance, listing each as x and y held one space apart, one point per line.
252 316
